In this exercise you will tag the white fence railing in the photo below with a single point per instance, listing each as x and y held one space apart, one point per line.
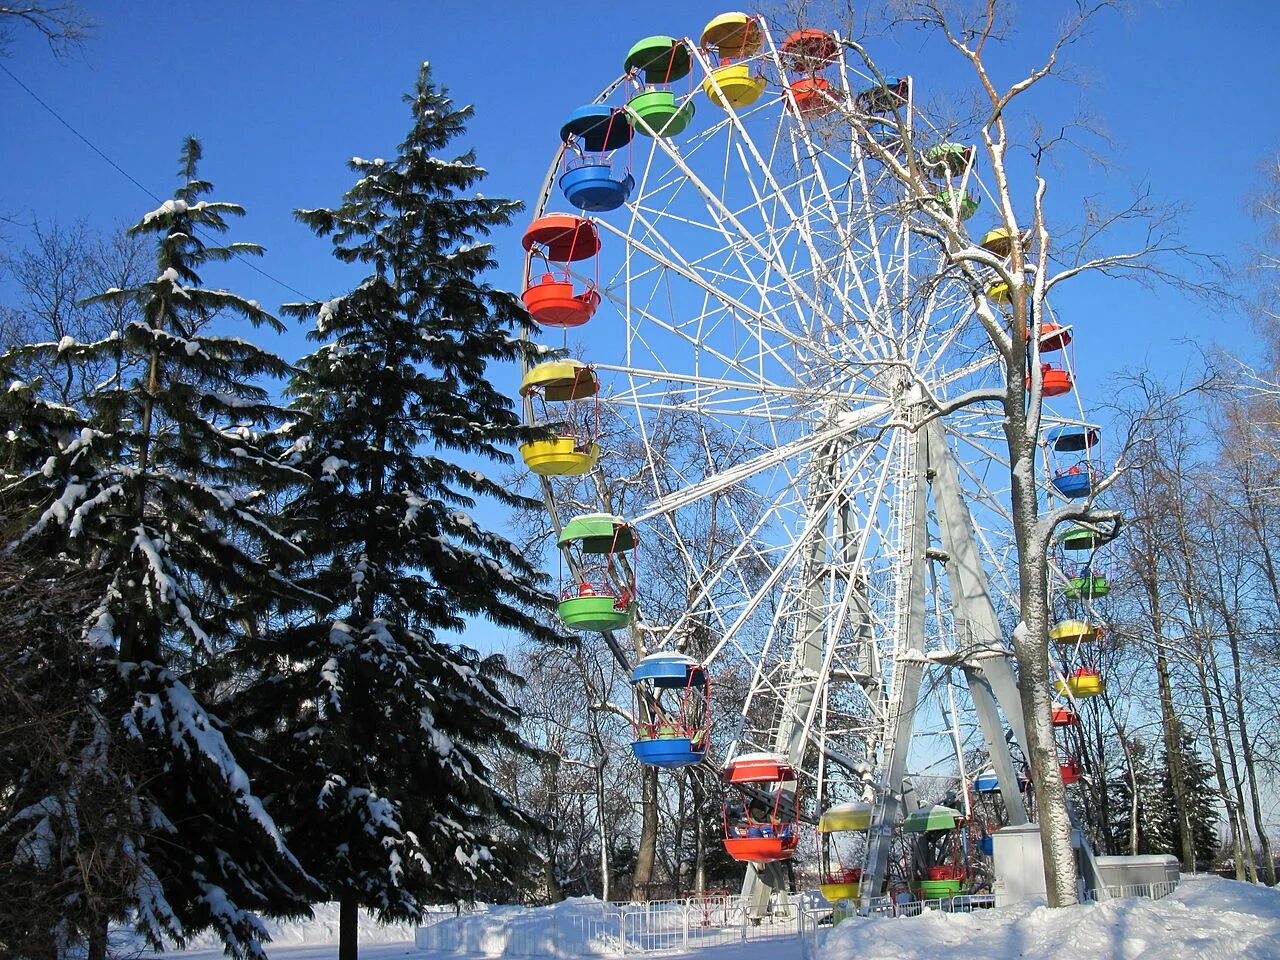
1150 891
609 929
671 927
659 927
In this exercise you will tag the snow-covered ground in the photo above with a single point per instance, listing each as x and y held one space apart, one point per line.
313 939
1205 918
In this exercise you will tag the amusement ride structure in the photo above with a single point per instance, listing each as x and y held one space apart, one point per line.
718 264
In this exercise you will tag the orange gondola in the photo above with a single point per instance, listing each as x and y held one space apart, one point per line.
554 299
1055 380
762 827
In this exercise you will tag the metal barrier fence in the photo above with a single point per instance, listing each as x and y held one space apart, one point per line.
658 927
1149 891
610 929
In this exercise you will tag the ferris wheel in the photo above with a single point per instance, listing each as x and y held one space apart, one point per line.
753 339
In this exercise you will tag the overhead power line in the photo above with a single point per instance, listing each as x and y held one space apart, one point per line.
134 180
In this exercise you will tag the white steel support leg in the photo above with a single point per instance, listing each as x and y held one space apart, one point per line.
909 648
984 656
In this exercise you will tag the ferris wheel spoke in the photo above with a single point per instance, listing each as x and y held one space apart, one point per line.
799 133
701 347
866 450
928 357
850 422
811 396
692 275
745 144
737 271
722 215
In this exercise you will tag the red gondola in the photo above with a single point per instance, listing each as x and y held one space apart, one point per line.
1056 380
804 55
552 298
761 827
813 96
1053 336
1064 716
1072 770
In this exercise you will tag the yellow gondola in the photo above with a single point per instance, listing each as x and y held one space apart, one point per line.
999 292
733 35
1082 684
740 88
1075 631
998 241
840 880
574 451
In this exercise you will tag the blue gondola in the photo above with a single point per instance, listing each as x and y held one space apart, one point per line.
594 188
674 692
986 782
1073 479
1074 486
588 182
1072 439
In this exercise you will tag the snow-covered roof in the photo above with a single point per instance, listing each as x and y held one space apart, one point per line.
760 757
669 656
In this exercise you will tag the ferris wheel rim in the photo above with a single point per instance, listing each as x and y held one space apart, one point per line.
773 396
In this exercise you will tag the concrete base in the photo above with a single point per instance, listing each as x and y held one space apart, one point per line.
1019 864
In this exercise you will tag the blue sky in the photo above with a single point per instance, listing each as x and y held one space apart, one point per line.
282 93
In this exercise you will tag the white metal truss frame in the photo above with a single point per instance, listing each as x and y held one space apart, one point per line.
793 318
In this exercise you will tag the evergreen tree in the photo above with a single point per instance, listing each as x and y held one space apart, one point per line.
158 493
1202 803
68 812
390 801
1155 815
1157 826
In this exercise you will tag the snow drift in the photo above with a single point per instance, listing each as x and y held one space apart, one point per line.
1206 918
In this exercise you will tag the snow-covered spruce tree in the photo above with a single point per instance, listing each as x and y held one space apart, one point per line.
1143 824
68 805
159 494
389 799
1203 800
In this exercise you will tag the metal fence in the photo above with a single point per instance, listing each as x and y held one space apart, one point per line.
1149 891
657 927
610 929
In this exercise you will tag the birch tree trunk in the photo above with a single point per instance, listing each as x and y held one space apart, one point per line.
699 840
1259 534
605 885
1246 748
1211 723
1246 839
1171 730
1037 700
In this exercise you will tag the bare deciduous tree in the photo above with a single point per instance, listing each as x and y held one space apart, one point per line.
64 26
53 275
1137 241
